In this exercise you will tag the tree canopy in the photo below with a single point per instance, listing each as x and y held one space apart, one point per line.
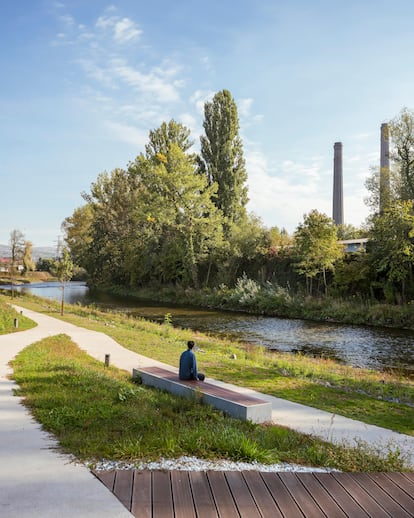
222 159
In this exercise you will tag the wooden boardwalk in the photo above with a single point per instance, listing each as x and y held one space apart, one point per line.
253 494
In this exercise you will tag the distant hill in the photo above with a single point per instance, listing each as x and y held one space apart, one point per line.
45 252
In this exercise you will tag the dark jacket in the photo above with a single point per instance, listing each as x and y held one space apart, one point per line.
188 366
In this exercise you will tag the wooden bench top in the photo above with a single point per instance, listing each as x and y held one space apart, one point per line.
205 387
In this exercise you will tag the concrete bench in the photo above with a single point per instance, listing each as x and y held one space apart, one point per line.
229 401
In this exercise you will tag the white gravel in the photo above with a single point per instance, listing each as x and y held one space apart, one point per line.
195 464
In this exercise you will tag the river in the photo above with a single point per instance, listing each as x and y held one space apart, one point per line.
372 347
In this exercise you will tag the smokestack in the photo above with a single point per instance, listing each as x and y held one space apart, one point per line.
338 206
384 200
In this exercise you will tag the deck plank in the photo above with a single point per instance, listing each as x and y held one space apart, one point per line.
321 496
123 486
222 495
401 491
162 500
250 494
182 495
203 498
375 487
306 503
281 495
260 492
244 501
368 503
141 501
107 478
341 497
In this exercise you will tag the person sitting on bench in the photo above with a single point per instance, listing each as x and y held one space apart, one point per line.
188 365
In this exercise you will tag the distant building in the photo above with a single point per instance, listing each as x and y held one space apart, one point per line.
354 245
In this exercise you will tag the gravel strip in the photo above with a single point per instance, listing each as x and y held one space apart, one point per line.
195 464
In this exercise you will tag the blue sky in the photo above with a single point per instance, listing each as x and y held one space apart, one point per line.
84 81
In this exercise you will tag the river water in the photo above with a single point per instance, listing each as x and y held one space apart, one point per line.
378 348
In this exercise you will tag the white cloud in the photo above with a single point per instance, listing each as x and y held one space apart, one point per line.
96 72
282 194
129 134
67 20
200 97
124 30
155 82
244 107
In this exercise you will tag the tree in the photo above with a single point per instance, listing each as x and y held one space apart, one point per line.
247 244
17 250
400 184
222 159
28 263
78 235
63 270
402 136
391 246
169 133
114 201
178 205
316 247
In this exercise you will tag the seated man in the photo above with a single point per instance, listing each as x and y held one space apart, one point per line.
188 365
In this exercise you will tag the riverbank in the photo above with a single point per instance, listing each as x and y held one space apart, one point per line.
269 300
275 301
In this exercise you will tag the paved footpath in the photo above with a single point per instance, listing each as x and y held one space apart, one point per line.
36 480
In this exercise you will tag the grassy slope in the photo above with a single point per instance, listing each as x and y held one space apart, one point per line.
97 412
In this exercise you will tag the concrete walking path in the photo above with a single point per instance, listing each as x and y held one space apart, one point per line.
35 480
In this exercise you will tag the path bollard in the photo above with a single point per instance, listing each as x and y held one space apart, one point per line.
107 358
16 323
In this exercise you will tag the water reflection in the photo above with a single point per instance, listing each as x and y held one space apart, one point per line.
378 348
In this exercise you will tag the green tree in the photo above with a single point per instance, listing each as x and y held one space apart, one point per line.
179 207
391 247
401 175
169 133
78 235
247 244
347 231
402 136
222 159
113 200
63 270
316 247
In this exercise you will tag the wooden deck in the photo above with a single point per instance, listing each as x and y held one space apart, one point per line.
251 494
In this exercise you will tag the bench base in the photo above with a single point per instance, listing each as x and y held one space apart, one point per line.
229 401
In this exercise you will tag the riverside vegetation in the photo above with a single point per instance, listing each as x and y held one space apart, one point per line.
99 412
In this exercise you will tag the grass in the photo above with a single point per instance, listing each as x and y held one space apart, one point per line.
10 317
382 399
98 412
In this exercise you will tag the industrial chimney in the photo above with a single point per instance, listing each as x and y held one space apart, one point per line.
338 205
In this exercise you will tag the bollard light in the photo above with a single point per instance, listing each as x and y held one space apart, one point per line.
107 358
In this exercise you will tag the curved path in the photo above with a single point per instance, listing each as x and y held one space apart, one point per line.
35 480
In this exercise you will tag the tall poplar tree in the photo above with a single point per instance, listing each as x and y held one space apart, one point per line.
222 159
